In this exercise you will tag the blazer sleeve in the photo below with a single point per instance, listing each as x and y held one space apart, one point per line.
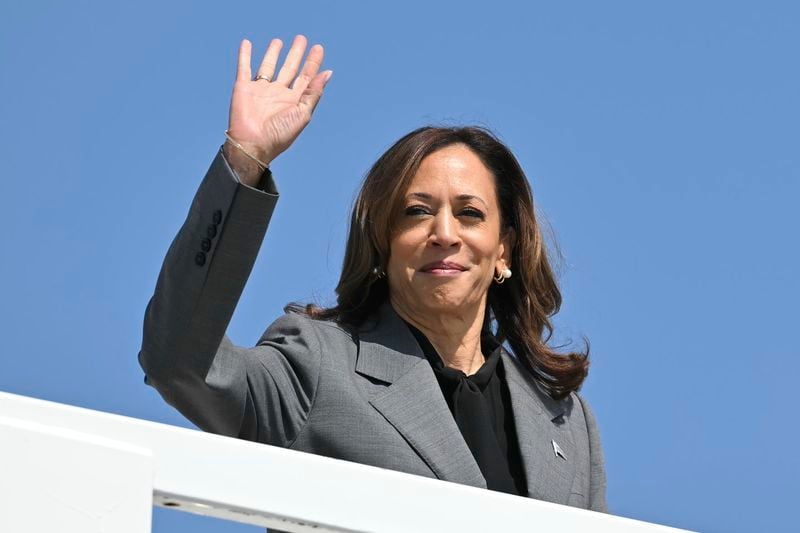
262 393
597 469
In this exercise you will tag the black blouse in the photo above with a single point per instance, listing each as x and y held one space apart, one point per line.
481 407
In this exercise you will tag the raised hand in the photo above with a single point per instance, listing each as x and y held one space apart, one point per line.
268 112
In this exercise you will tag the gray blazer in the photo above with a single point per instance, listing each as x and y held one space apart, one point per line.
368 396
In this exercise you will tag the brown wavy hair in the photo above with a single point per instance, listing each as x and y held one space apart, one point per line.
519 310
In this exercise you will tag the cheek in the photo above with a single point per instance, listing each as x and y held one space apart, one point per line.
485 246
402 251
409 243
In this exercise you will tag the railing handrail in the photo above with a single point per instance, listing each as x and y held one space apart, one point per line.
242 481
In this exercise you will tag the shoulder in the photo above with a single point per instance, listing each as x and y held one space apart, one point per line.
597 473
580 403
582 412
300 328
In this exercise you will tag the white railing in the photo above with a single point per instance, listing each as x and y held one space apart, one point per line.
67 469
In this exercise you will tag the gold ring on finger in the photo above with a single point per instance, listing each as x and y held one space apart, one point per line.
259 77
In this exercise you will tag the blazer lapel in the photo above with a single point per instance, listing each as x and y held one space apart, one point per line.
545 443
413 403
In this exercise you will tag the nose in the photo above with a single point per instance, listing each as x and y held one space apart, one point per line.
445 231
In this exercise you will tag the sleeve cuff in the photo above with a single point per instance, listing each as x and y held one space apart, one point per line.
266 183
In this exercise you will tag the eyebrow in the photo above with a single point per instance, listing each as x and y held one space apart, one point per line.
462 197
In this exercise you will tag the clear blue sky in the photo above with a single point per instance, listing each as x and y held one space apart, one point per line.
661 139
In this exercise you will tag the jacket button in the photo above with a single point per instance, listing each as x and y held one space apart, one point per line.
211 231
200 259
205 245
217 216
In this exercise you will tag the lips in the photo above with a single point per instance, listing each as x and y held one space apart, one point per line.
443 267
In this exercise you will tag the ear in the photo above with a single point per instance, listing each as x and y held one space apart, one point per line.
507 242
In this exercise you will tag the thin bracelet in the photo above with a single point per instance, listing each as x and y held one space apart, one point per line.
233 141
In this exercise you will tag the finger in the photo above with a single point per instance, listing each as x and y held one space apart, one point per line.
292 61
243 67
270 61
310 68
312 94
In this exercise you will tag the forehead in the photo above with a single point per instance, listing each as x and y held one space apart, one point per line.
453 170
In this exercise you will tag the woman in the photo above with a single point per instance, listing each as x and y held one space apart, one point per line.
406 371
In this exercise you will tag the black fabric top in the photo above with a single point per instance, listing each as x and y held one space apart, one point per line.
481 407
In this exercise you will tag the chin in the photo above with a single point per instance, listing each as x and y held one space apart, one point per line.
445 301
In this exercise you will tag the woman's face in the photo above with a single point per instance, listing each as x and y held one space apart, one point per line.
447 246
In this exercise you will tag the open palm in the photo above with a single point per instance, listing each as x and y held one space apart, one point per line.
267 114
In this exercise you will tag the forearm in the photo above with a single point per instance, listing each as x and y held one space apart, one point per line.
202 278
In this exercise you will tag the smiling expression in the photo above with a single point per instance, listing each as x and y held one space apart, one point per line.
447 244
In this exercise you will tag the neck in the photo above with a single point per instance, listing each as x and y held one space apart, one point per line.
456 336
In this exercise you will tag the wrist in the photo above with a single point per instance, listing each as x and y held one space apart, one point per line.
247 170
253 151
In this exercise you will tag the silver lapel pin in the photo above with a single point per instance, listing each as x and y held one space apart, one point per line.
557 450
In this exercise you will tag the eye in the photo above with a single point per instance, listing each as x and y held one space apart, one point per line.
473 213
417 210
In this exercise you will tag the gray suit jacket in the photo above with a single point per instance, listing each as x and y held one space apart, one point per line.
368 395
